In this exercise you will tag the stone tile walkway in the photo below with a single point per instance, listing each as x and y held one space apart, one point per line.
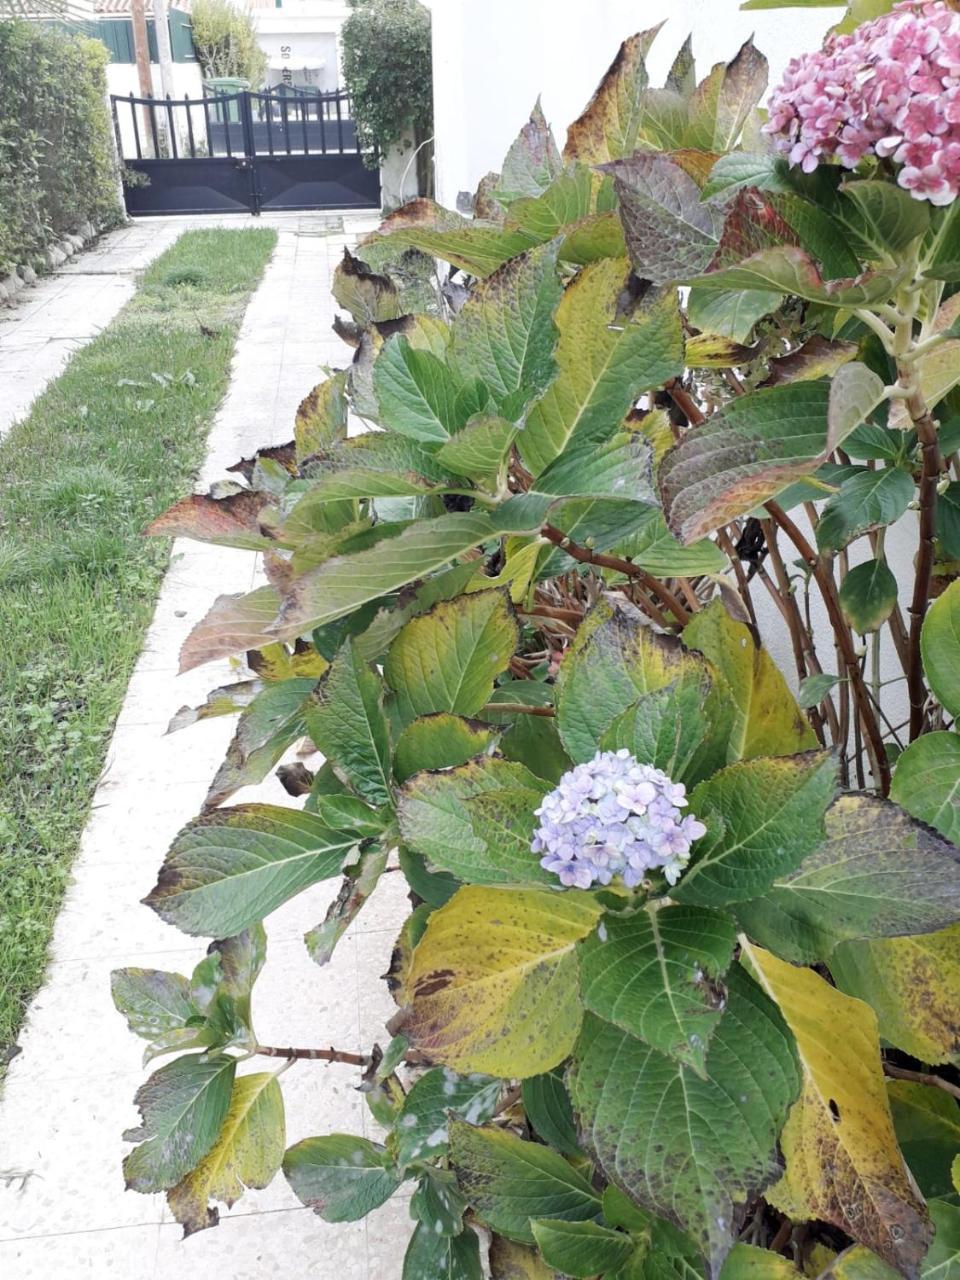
68 1095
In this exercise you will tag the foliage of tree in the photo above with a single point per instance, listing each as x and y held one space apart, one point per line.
225 39
385 54
57 167
742 1061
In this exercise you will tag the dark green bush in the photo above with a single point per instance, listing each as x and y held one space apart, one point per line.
56 154
386 67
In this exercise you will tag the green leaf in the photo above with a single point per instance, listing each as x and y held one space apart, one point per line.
878 873
868 500
474 245
510 1182
886 217
815 688
476 821
346 721
152 1001
658 975
229 869
532 162
614 659
437 1202
182 1106
610 125
321 418
434 887
744 455
941 259
247 1153
927 1123
606 358
926 782
271 724
340 1177
580 1248
940 647
767 720
731 314
593 238
653 547
791 270
737 169
681 729
550 1112
868 595
478 450
619 468
438 742
346 582
670 231
943 1260
353 895
719 1146
763 817
504 333
420 1132
723 101
417 392
911 984
442 1257
948 522
448 659
493 980
565 203
535 742
746 1262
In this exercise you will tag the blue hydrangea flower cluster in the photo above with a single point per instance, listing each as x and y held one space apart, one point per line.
614 817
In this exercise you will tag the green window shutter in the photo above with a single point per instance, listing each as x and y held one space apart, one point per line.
152 40
181 37
117 35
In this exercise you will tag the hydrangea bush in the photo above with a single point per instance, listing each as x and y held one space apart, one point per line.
676 995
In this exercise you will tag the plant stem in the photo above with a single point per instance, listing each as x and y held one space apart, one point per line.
586 555
921 1077
317 1055
828 589
931 464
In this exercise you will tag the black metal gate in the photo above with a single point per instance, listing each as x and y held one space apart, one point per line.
279 149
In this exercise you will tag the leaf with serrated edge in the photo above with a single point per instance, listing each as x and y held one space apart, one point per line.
878 873
321 417
767 719
182 1106
658 974
791 270
342 584
442 1257
927 1124
247 1153
509 1182
439 741
843 1162
421 1129
690 1149
609 126
493 980
232 625
911 983
763 816
346 720
340 1177
867 500
438 819
229 869
448 659
605 361
532 162
581 1249
615 659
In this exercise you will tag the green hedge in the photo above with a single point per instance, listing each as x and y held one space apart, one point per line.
56 151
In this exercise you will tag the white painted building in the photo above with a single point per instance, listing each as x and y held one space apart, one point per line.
492 57
301 39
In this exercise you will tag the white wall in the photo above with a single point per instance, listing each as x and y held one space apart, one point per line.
492 58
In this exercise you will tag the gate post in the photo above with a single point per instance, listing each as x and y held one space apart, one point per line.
250 150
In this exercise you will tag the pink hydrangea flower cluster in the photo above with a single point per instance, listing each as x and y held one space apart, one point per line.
889 88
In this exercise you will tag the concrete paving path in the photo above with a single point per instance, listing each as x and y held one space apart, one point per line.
68 1095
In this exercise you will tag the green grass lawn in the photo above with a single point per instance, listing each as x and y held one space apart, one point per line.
111 443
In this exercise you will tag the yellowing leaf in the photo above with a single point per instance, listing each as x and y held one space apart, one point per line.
767 720
494 980
912 984
843 1162
248 1153
322 417
609 127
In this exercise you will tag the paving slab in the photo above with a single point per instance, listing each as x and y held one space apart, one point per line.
68 1095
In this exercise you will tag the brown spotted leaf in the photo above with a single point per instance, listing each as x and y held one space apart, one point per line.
370 298
494 983
233 521
818 357
233 625
532 162
321 417
843 1162
609 127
